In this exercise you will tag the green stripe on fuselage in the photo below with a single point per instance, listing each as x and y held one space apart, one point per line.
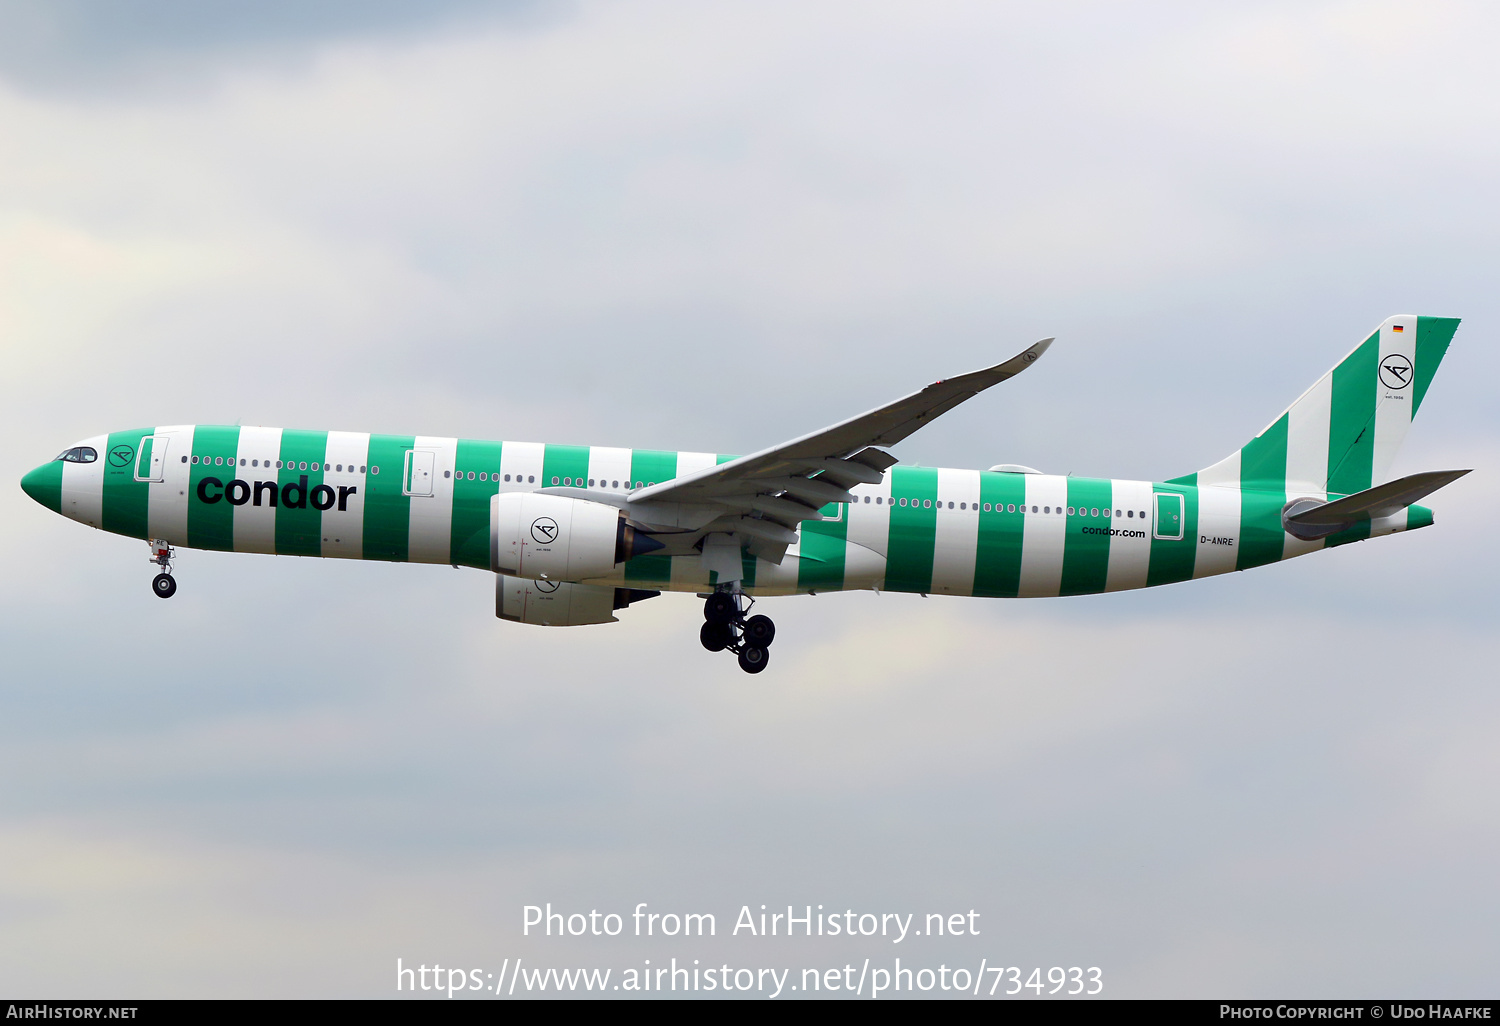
648 467
470 541
125 499
821 564
1262 536
1086 542
299 524
913 529
210 515
1263 493
568 466
997 558
1172 559
387 528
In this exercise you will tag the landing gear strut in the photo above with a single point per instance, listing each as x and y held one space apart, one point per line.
725 627
163 585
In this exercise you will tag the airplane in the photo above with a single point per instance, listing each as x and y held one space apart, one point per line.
576 533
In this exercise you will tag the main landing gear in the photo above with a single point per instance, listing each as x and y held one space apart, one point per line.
163 584
726 626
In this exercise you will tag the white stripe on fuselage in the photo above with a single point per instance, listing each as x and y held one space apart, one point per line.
956 536
430 535
83 485
344 522
687 572
255 526
1129 558
1044 536
167 500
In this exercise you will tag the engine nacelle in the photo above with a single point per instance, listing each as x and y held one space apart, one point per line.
555 538
559 603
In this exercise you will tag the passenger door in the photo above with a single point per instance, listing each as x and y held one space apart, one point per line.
151 460
417 479
1169 521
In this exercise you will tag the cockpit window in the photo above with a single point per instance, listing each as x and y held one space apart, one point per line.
79 454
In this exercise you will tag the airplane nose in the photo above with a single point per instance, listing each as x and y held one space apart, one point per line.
44 484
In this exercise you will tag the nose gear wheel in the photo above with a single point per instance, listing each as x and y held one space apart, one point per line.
163 585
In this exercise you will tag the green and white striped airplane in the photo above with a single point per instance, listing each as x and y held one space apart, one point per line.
574 533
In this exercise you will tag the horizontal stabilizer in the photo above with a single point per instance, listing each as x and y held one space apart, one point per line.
1308 518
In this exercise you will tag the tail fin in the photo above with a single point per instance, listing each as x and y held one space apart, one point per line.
1341 436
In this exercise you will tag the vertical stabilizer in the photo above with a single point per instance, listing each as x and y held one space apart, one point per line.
1342 435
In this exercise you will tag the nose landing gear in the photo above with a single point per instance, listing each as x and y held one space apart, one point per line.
725 627
163 585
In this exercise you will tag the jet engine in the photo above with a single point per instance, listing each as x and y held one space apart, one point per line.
556 538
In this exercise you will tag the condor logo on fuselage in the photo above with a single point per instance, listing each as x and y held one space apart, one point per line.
292 495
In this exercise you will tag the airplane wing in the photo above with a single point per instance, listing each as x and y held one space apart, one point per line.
790 482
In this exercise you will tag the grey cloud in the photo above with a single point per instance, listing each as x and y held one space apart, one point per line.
98 47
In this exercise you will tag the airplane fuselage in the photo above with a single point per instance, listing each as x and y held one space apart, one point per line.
428 499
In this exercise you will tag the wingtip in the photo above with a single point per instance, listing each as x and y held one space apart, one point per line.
1030 354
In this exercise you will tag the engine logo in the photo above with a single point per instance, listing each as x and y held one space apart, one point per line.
544 530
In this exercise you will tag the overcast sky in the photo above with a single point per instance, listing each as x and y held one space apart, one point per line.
713 227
